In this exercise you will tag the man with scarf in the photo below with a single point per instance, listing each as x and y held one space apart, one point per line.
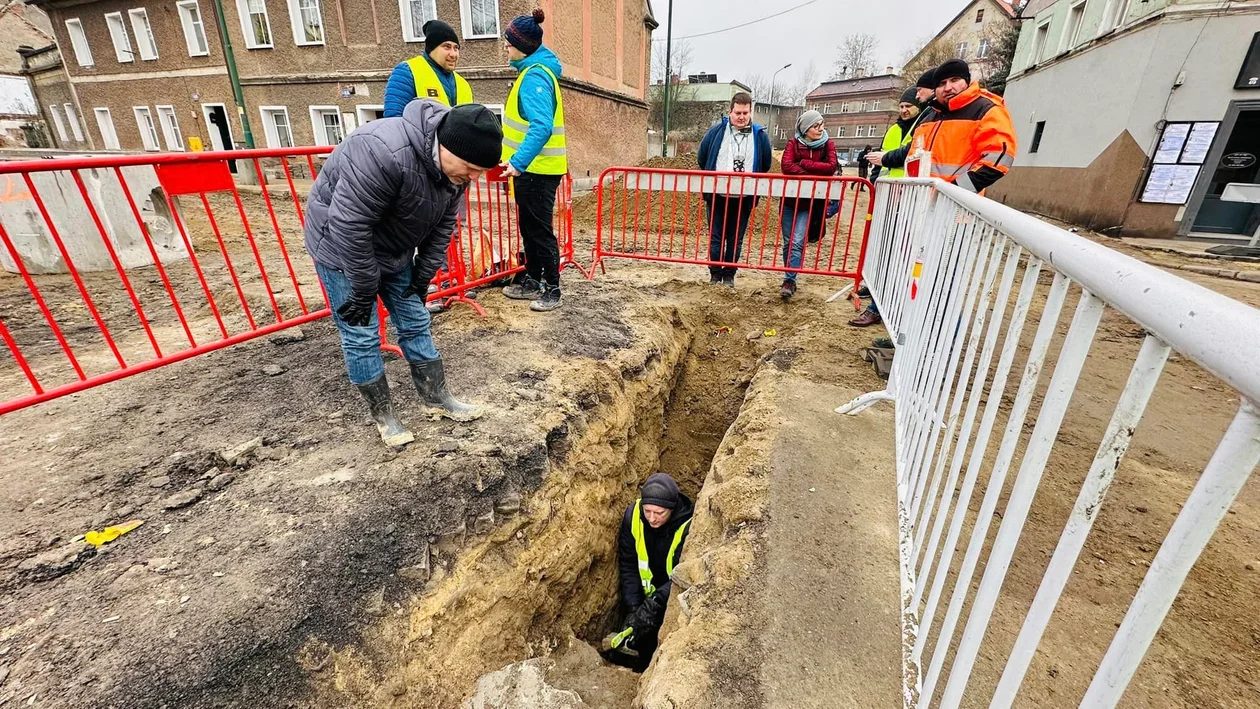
811 152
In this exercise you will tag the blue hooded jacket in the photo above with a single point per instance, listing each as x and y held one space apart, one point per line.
707 154
400 90
537 100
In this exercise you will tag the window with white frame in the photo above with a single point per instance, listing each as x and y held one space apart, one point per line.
873 131
983 50
1072 28
73 119
105 122
480 18
194 28
1114 15
414 14
148 130
826 108
255 23
367 114
861 132
276 126
118 35
308 23
144 33
841 131
1040 39
78 41
963 48
326 124
55 111
170 127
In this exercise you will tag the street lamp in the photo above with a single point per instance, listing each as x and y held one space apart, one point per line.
774 76
669 37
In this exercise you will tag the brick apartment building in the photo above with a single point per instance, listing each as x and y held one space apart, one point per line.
858 110
151 74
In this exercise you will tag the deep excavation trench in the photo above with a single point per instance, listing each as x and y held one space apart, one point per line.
544 583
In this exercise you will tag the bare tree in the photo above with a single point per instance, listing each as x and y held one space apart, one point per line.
675 87
806 81
926 55
856 51
997 63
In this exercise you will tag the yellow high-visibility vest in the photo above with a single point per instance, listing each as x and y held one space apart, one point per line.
893 139
553 159
428 85
640 548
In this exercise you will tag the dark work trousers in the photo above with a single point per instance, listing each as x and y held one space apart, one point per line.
728 220
536 203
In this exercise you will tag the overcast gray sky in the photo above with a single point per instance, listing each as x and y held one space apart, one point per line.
811 32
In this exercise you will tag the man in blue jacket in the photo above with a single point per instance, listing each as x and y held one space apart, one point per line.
430 75
378 221
535 156
733 145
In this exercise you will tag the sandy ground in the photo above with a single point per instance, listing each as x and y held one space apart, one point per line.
320 569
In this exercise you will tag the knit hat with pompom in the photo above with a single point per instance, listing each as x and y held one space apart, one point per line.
525 32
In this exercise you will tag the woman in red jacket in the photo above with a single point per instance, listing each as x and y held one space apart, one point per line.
811 152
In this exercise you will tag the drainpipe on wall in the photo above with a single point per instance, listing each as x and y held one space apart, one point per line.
233 76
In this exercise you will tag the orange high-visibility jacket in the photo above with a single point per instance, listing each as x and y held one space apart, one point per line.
972 141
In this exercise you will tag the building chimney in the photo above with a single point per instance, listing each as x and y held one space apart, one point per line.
888 70
859 72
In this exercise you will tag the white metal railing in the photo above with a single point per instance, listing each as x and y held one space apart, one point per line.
947 323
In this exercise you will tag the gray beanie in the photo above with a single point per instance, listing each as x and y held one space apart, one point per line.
806 120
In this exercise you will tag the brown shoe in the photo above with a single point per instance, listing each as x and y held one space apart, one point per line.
866 319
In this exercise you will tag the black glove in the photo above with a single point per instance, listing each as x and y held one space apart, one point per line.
419 283
648 617
357 311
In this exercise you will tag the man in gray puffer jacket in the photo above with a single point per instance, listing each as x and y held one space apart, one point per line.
378 222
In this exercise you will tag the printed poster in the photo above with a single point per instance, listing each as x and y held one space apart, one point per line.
1171 144
1198 143
1170 184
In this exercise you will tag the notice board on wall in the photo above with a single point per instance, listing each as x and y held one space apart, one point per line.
1182 149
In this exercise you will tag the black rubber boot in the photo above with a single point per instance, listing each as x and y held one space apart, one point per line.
549 299
429 377
527 289
376 393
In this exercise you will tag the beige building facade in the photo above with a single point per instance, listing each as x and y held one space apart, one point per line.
152 75
972 36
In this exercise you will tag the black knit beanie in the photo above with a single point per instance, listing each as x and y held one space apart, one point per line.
954 68
660 490
910 96
471 132
925 80
437 33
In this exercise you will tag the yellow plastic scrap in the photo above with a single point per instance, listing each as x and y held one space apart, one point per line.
111 533
771 332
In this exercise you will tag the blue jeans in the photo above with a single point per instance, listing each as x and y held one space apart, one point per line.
362 345
795 225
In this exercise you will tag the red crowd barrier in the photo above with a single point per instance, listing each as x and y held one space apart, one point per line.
126 263
654 214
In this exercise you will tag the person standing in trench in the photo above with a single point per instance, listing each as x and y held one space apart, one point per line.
649 546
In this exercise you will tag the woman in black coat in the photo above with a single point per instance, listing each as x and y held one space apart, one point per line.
655 527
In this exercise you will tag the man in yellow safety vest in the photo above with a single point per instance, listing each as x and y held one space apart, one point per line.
535 157
430 75
649 546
